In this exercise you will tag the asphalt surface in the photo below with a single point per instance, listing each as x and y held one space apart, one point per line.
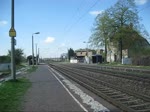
48 94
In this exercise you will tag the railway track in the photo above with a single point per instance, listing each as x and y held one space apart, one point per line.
117 68
125 99
139 84
123 74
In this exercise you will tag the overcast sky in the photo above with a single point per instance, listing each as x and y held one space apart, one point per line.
62 23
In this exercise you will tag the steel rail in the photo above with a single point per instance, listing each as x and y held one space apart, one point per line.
99 92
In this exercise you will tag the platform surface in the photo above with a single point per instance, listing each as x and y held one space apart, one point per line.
52 92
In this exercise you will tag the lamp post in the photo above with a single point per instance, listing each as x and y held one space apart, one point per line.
36 55
33 47
87 52
12 34
86 47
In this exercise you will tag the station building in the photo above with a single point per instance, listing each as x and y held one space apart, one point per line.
88 56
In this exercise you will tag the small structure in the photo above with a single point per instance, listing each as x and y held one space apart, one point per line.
84 55
29 59
97 59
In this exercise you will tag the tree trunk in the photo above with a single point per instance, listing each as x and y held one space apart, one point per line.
105 51
120 49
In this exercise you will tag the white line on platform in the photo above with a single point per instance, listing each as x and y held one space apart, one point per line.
69 92
95 105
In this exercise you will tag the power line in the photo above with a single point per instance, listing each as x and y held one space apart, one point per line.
75 13
72 25
144 8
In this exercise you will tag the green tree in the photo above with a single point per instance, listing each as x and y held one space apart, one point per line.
101 31
124 13
70 53
4 59
114 25
18 56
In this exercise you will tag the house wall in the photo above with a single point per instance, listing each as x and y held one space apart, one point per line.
111 56
84 53
111 53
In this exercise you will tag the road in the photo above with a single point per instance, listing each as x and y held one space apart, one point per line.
51 91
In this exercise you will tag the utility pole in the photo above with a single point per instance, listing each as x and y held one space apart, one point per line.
105 36
33 47
87 52
12 34
120 42
105 51
36 55
32 51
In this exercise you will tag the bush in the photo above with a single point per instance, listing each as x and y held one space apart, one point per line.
5 59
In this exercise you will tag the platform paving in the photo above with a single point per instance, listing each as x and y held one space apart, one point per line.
47 94
53 92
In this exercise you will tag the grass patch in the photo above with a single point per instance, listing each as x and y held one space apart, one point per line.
11 94
20 66
32 69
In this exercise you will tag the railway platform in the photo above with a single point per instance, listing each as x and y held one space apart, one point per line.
51 91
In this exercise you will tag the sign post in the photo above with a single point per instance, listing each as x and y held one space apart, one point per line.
12 34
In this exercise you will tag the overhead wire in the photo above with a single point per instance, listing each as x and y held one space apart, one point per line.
78 20
79 9
144 8
75 13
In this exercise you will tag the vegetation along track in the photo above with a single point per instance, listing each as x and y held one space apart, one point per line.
116 90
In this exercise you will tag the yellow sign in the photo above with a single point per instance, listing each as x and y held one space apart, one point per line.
12 32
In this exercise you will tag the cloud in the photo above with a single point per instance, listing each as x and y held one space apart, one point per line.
3 22
49 40
95 13
141 2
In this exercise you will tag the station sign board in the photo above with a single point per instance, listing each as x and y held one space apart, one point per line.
12 32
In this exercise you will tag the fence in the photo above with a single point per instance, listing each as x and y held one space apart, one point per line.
144 61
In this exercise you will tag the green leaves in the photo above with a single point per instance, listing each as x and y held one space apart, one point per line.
18 55
4 59
119 25
111 22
